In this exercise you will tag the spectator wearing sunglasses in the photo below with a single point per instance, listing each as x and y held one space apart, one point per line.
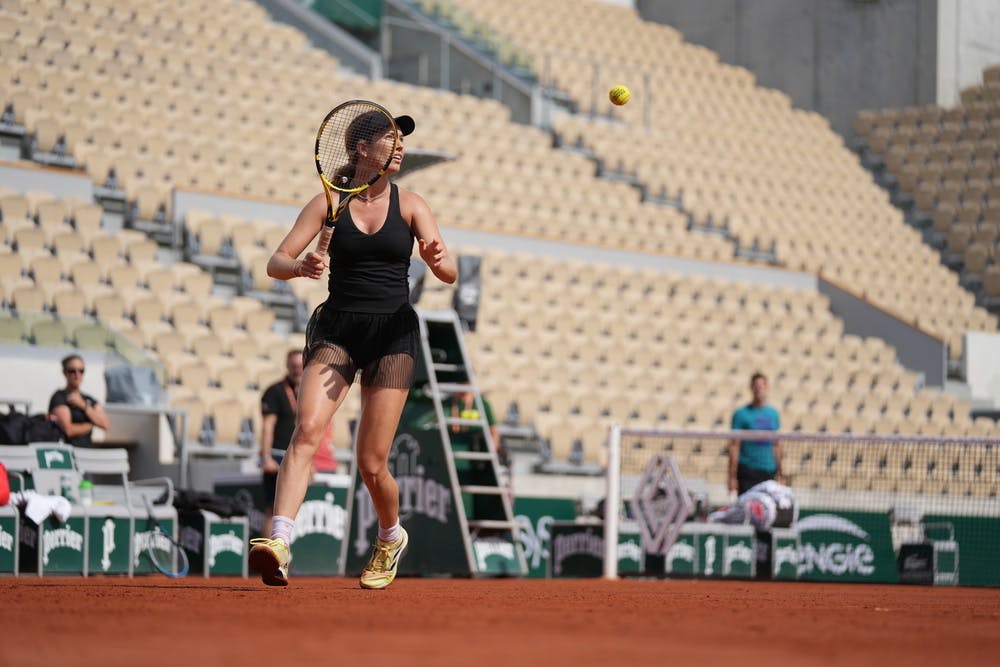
76 413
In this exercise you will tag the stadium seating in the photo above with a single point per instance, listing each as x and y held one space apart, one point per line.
945 162
588 343
103 288
212 95
733 153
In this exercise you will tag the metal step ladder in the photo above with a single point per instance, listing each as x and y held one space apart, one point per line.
483 501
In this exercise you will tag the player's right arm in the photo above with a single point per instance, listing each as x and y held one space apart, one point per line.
284 263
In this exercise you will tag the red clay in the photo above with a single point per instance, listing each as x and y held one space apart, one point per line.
153 621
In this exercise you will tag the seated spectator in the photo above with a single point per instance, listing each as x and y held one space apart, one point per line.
76 413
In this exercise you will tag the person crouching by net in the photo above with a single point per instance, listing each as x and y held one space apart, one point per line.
764 506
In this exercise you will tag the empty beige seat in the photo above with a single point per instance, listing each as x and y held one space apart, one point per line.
106 251
27 299
194 411
109 307
49 333
87 220
70 303
228 420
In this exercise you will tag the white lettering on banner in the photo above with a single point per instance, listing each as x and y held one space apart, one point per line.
683 551
630 551
107 544
418 494
486 548
54 456
60 538
534 539
710 555
739 552
783 555
145 540
837 558
225 543
320 517
6 540
832 523
575 544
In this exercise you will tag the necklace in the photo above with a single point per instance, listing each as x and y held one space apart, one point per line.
368 200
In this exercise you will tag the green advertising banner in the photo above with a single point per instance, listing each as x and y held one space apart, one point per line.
320 525
319 534
845 546
214 546
55 458
966 545
784 554
52 547
534 516
495 555
8 540
577 550
107 544
426 509
142 536
713 550
823 546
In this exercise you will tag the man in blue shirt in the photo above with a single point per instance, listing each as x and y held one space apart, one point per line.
754 461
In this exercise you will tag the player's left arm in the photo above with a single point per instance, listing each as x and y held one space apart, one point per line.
433 250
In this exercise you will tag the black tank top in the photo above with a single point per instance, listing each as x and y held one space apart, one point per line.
368 271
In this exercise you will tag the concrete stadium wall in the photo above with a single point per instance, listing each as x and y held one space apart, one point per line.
835 57
418 51
968 37
915 349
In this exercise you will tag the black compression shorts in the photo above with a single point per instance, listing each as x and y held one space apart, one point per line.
383 346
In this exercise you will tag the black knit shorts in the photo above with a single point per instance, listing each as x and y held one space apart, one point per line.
382 346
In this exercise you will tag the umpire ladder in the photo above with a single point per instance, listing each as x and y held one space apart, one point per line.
483 503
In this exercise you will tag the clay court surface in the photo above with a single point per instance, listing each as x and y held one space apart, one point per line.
154 621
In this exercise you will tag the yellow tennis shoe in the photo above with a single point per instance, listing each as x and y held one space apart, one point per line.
271 559
381 569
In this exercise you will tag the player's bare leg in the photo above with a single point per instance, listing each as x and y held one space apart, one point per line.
381 408
320 394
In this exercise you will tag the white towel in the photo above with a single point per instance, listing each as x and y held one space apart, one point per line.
38 507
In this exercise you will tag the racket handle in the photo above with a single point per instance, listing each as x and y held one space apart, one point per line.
323 244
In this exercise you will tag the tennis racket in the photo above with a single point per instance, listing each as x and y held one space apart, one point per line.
354 147
163 551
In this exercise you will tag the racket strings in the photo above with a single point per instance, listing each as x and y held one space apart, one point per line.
339 157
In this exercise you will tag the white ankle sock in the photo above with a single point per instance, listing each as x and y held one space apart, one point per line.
390 534
281 528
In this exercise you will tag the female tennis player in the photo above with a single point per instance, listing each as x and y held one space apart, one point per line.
366 325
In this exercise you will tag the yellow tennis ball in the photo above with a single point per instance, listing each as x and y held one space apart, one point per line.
619 95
